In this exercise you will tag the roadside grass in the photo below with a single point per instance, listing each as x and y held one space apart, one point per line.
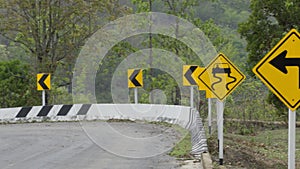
120 121
183 148
267 149
161 123
274 144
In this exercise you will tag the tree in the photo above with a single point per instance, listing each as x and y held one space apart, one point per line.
53 31
269 21
154 78
18 85
224 12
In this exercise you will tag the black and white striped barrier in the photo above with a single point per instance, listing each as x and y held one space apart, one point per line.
184 116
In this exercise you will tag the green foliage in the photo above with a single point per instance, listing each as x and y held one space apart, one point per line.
51 32
107 69
59 95
141 5
246 130
269 21
248 102
267 24
282 110
4 53
187 9
162 81
224 12
18 85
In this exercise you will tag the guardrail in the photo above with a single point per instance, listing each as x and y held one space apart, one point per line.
186 117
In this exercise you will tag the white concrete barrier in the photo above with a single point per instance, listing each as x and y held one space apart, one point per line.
184 116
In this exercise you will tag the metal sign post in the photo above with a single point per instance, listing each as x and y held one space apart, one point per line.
209 97
43 98
220 110
136 95
209 116
192 97
292 140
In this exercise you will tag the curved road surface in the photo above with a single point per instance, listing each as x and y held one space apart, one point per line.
77 145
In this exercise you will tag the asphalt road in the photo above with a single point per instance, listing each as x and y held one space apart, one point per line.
88 145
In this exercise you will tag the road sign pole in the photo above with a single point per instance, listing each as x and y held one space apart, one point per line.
44 98
292 140
209 115
136 95
220 106
192 97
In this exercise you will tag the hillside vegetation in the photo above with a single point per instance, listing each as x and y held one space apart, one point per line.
46 36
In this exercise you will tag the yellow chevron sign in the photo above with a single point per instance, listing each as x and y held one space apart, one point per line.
135 78
189 75
43 81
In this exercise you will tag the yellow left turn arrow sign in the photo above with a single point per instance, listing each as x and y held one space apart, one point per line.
189 75
279 70
43 81
135 78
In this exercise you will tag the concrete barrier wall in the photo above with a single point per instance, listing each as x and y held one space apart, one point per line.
184 116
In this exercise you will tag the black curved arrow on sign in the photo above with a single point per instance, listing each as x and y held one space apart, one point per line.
188 75
280 62
132 78
42 81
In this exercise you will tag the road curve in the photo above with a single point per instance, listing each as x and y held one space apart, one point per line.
67 146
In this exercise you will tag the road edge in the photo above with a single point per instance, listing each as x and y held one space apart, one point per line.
206 160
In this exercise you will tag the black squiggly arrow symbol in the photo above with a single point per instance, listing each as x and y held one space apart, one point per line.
42 81
132 78
188 75
280 62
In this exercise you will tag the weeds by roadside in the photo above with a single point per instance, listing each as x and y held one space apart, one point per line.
253 147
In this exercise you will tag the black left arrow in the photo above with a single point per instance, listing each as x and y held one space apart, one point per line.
281 62
42 81
132 78
188 75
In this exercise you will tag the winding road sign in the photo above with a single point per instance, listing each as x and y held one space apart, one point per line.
43 81
202 86
135 78
279 70
221 77
189 76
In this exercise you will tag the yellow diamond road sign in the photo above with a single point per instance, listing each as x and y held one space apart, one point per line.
135 78
43 81
279 70
221 77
